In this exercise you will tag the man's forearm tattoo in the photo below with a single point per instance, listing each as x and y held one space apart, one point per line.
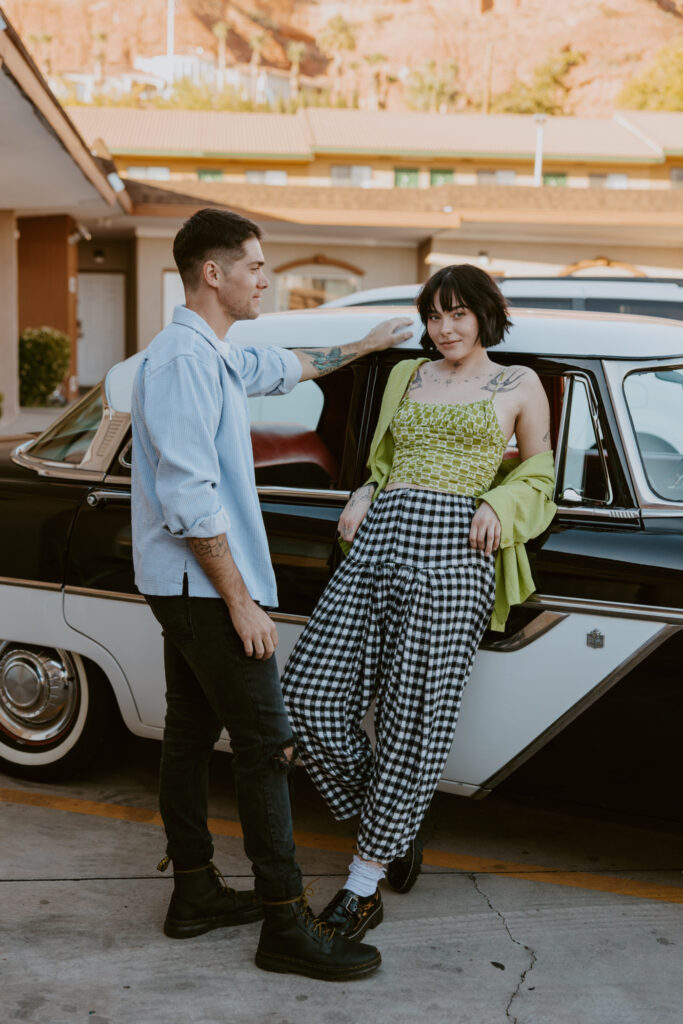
362 494
509 383
327 359
209 547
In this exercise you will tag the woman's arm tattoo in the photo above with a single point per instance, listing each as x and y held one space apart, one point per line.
362 494
509 383
417 382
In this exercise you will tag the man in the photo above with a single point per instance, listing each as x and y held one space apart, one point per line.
201 559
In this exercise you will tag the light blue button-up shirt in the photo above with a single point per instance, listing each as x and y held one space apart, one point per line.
193 468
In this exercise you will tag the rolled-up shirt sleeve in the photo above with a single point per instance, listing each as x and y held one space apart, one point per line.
188 470
268 371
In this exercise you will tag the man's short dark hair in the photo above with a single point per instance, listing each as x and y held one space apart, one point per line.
210 234
462 284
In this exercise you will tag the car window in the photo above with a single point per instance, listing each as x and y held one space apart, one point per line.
582 477
655 402
301 440
69 438
528 302
643 307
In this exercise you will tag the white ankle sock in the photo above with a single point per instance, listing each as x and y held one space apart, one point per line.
363 877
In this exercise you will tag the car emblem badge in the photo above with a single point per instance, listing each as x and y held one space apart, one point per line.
595 639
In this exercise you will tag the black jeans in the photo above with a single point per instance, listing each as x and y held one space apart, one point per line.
211 683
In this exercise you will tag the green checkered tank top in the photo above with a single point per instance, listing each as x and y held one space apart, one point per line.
455 448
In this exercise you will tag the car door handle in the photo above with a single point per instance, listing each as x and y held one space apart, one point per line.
98 499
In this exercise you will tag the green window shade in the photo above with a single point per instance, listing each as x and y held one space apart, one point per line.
441 177
406 177
555 179
204 174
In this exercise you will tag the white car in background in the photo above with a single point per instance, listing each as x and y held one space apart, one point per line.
639 295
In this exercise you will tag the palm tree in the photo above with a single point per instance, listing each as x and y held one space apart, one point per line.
336 40
220 29
295 52
257 42
378 91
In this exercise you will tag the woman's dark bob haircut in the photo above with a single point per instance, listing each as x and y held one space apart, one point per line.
464 285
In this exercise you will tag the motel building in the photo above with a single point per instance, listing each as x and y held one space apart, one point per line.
91 198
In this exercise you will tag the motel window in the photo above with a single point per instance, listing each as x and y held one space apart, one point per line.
677 177
441 177
406 177
266 177
206 174
354 175
501 176
308 287
608 180
149 172
555 180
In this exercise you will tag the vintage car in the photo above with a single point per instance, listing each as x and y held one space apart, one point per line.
79 640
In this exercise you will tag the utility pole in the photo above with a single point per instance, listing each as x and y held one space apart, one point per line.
540 120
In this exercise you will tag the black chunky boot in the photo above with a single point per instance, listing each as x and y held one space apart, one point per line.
201 901
294 941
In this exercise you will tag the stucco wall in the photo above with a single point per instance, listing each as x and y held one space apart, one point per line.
382 265
9 319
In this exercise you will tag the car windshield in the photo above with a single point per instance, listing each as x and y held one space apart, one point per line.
69 438
655 402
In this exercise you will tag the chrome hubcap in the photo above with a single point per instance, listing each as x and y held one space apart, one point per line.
38 693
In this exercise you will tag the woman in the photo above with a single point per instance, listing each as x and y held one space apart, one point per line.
401 619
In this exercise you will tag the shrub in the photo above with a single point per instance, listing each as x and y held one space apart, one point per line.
44 356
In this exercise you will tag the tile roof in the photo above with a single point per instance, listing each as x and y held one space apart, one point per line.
639 137
193 132
475 134
664 128
287 201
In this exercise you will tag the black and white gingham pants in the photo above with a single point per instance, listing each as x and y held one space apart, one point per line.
399 622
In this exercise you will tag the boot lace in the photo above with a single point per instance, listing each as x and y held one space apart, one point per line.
319 928
219 880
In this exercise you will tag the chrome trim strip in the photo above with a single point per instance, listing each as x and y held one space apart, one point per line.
573 713
33 584
581 606
294 492
47 467
112 595
527 634
615 373
595 512
292 620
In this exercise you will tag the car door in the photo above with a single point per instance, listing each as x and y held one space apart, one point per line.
589 622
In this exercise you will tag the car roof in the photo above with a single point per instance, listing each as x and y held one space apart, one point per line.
533 332
540 286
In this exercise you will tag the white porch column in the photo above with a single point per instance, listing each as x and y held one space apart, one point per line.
9 318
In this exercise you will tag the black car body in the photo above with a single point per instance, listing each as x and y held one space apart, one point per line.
609 572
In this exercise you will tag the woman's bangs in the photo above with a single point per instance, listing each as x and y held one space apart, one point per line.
449 296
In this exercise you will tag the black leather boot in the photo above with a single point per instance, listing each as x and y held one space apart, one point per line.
201 901
294 941
353 915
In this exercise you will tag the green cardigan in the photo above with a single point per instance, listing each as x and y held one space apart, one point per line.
520 496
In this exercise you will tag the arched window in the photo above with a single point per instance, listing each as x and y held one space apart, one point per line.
306 283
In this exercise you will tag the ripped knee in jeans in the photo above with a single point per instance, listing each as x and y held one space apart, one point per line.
285 756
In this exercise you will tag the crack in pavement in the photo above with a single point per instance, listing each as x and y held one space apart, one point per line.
532 955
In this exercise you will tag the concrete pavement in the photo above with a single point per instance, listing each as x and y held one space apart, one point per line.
593 935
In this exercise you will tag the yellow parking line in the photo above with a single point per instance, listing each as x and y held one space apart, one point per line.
340 844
